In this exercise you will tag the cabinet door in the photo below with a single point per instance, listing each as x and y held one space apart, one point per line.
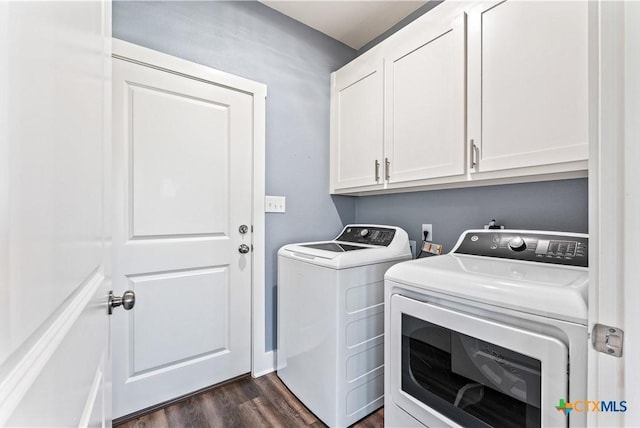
528 89
356 121
425 103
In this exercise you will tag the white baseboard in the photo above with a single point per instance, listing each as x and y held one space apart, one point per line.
266 365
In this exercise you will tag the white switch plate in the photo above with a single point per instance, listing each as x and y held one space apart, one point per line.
275 204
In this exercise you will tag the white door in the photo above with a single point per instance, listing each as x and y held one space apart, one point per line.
54 278
528 83
425 103
183 187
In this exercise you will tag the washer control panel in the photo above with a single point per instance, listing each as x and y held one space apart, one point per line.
367 235
543 247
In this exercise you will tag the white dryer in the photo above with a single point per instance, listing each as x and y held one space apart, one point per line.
493 334
331 320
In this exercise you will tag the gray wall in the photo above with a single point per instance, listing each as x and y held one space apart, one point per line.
253 41
250 40
551 205
401 24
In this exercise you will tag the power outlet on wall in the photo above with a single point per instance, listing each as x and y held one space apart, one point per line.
427 228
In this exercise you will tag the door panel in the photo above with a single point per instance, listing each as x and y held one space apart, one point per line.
200 296
178 140
183 171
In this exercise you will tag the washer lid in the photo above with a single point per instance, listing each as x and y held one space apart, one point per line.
334 246
553 291
319 253
357 245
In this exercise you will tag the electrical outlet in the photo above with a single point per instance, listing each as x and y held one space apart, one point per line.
427 228
275 204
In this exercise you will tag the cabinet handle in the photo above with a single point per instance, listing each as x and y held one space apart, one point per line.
474 154
387 168
377 169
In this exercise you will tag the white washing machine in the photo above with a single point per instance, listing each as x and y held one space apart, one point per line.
331 320
493 334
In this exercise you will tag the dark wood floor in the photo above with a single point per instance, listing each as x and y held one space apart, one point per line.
246 403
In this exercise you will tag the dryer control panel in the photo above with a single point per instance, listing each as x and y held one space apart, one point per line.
371 235
544 247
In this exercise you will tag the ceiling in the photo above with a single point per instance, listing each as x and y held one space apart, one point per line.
354 23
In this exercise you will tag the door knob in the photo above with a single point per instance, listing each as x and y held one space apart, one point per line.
127 301
244 249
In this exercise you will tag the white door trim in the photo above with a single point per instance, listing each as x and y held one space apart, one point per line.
613 204
262 362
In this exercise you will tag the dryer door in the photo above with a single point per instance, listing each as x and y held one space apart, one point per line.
449 367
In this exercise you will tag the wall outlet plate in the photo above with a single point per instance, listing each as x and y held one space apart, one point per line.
428 228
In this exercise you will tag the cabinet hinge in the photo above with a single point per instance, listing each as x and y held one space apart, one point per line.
607 339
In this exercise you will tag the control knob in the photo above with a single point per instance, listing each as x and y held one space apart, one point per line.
517 244
364 232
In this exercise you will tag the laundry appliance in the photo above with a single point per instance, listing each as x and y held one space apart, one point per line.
493 334
331 320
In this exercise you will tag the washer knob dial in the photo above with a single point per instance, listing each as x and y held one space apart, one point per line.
517 244
364 232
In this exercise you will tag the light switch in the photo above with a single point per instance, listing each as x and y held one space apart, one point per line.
275 204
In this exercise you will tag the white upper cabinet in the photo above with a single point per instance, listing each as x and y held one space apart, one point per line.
528 88
469 93
356 124
424 103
